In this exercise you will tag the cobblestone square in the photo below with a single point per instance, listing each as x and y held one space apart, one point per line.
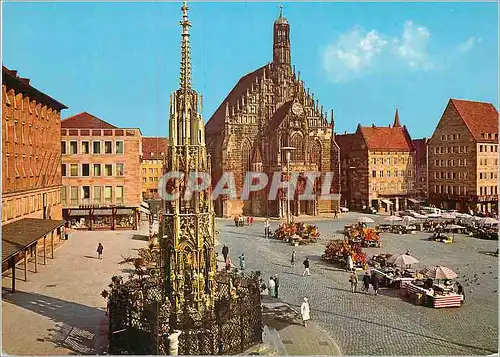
364 324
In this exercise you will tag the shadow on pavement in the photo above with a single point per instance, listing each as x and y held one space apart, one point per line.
485 252
90 257
77 324
141 237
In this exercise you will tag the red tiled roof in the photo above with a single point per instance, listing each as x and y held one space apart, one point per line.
386 138
479 117
85 121
216 123
347 143
279 115
153 147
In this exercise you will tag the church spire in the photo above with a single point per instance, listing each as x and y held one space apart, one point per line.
397 124
281 40
185 75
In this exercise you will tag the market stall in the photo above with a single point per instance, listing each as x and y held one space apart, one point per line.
339 251
125 218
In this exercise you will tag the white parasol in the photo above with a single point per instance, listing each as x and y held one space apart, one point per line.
409 219
440 272
365 220
402 260
488 221
453 226
448 216
393 218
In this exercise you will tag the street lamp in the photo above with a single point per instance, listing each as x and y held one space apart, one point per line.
288 150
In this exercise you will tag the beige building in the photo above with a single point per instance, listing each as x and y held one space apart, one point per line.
101 169
463 158
154 151
377 167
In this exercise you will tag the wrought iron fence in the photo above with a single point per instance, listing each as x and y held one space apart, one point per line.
140 318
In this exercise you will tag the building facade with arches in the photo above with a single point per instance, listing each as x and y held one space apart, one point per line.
268 109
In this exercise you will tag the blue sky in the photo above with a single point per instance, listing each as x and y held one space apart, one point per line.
120 61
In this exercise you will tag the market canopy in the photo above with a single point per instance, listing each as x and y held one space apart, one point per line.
393 218
488 221
448 216
387 202
402 260
365 220
408 219
412 200
440 272
453 226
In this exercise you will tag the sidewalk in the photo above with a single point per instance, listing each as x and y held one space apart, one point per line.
294 338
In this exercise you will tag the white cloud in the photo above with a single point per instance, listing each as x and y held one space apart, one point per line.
412 47
352 52
359 51
468 45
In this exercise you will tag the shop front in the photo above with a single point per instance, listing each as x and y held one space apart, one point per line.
101 218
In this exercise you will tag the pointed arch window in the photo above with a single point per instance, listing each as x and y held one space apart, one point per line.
315 153
246 152
298 143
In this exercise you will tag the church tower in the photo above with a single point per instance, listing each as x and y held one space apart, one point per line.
281 41
188 228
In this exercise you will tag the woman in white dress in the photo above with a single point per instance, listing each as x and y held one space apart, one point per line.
304 311
350 264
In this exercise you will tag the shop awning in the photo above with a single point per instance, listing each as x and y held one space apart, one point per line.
79 212
412 200
387 202
144 210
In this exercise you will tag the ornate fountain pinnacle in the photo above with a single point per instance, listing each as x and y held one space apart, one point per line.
185 75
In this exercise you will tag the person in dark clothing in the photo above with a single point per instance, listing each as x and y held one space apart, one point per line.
335 215
225 252
276 285
306 267
366 282
100 248
375 283
460 291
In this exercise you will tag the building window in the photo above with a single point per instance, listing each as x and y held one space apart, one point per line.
63 170
85 147
436 150
63 195
491 175
143 171
381 173
388 173
480 190
96 147
108 194
156 179
74 195
86 192
63 147
395 173
119 169
144 179
119 194
108 147
442 137
97 194
480 148
108 170
150 179
388 161
73 147
436 175
465 162
436 163
119 147
151 171
97 170
85 169
73 170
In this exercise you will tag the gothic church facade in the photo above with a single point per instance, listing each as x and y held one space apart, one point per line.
268 109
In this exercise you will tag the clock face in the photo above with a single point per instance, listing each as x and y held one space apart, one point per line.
297 109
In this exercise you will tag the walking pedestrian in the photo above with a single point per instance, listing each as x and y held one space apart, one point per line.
292 260
353 279
350 264
225 252
242 261
228 264
366 282
304 311
276 285
267 228
375 283
100 248
251 220
335 214
270 287
460 291
248 220
306 267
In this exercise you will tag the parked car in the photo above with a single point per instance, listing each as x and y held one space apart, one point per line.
370 210
344 209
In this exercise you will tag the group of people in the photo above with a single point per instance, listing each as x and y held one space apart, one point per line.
367 280
273 286
240 221
227 259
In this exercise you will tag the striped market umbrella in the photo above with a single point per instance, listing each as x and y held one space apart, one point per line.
402 260
440 272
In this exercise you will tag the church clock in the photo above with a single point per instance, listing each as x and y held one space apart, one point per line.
297 109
